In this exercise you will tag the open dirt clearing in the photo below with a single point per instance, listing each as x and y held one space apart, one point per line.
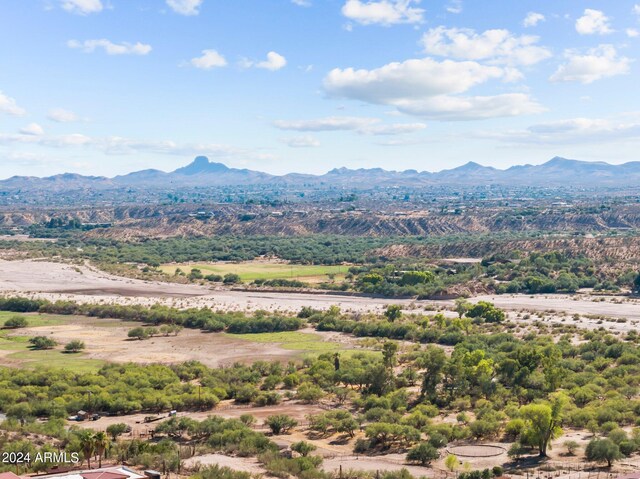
106 339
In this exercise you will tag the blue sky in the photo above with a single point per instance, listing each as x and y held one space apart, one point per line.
105 87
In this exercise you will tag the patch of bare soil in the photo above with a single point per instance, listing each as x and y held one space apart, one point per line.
242 464
107 340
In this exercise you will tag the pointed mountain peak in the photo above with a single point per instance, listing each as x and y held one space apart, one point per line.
201 164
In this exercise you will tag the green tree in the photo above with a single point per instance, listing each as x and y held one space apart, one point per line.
603 450
74 346
303 448
542 423
101 442
393 312
116 430
422 453
462 306
280 423
451 462
87 445
231 278
138 333
15 322
42 342
389 350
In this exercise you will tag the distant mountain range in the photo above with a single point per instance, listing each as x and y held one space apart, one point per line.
201 173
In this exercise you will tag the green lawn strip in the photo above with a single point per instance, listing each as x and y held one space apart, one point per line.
292 340
55 358
251 272
35 320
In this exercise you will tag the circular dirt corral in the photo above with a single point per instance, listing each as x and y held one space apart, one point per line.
477 450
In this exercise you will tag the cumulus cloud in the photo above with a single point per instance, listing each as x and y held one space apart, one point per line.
301 3
632 33
498 46
593 22
597 63
362 125
82 7
185 7
32 129
428 88
306 141
636 9
110 48
9 105
208 60
274 62
61 115
454 6
532 19
573 131
415 78
384 12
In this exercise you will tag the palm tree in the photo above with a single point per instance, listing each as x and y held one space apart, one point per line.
101 441
87 444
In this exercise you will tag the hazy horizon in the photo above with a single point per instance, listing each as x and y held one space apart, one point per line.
108 87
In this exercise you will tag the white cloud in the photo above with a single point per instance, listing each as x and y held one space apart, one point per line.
384 12
593 22
362 125
9 105
393 129
185 7
32 129
61 115
301 3
454 6
597 63
332 123
425 87
82 7
302 142
632 33
208 60
274 62
636 9
415 78
498 46
111 48
573 131
532 19
455 108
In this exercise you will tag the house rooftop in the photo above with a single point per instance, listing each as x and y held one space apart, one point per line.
115 472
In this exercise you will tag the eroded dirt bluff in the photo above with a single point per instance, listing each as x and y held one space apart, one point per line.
184 220
626 249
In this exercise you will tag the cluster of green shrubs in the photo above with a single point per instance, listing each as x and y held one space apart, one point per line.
170 318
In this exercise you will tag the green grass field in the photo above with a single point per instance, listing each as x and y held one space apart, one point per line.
292 340
34 320
17 350
252 270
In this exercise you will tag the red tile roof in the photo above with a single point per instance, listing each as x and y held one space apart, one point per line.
8 475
